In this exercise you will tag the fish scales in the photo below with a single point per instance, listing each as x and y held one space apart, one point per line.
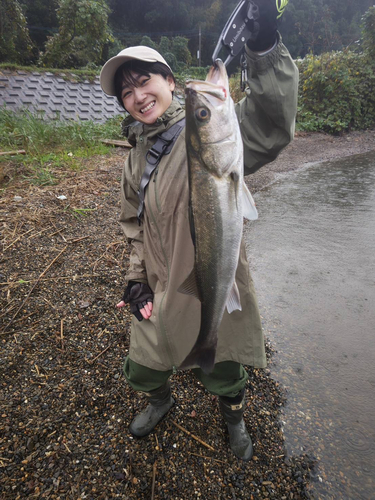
215 162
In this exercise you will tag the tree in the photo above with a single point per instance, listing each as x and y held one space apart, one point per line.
180 50
82 37
170 15
164 45
15 43
368 32
175 51
166 52
322 25
146 41
41 19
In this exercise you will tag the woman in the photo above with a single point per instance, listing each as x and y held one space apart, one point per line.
166 322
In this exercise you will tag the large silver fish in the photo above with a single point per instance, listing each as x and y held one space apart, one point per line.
219 199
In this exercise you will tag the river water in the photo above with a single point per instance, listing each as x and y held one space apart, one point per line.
312 255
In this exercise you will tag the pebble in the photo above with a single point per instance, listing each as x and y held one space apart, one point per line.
78 387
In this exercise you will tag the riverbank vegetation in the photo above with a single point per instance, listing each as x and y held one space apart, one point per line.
336 95
337 89
337 92
51 146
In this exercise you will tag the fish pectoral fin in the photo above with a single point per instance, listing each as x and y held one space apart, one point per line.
234 301
249 209
189 286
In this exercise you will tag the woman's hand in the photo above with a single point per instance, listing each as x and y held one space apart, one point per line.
145 311
140 298
264 33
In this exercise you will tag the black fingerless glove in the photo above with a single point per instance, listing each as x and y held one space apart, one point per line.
137 295
264 31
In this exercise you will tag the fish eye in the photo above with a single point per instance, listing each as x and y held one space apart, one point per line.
202 114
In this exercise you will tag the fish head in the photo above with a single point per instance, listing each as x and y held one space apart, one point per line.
212 129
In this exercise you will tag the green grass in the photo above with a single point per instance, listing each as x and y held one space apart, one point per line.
90 74
52 144
68 74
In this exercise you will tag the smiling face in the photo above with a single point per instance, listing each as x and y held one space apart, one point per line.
149 98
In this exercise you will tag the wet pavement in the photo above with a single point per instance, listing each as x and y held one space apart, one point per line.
313 262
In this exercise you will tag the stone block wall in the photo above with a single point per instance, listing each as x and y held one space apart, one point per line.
57 96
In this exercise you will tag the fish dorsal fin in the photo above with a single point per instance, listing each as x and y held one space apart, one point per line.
249 210
234 301
189 286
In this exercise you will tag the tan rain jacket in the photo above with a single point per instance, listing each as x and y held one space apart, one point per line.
162 250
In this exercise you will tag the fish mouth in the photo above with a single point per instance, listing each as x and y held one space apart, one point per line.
215 85
218 74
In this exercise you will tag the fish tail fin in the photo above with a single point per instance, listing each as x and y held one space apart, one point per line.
203 357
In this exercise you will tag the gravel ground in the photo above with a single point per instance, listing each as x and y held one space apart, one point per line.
64 404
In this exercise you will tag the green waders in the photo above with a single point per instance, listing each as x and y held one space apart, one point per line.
227 380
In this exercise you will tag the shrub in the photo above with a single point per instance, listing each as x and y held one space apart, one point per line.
191 73
336 92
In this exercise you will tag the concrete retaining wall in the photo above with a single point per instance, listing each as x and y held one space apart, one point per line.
55 96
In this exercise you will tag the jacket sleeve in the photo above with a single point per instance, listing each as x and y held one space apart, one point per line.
267 113
129 224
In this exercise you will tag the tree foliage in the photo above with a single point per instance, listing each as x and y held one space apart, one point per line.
307 26
82 36
41 19
368 32
15 43
82 33
322 25
175 51
179 47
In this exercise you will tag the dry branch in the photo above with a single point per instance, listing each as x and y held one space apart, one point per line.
154 480
19 237
62 334
124 144
74 277
40 232
33 287
11 153
77 239
58 231
98 356
206 458
193 436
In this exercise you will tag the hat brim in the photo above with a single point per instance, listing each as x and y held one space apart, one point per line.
107 74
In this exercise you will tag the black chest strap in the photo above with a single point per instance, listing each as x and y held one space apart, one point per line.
163 146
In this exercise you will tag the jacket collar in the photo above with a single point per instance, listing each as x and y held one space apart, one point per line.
133 129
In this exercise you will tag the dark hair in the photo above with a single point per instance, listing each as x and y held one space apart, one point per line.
124 75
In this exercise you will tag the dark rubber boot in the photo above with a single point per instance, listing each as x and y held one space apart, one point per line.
232 410
160 402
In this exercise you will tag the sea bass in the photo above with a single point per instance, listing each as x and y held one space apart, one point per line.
219 199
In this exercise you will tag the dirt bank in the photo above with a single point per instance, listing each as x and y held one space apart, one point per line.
65 407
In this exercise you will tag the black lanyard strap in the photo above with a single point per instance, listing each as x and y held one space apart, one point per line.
163 146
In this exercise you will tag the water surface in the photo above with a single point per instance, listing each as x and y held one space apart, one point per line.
312 255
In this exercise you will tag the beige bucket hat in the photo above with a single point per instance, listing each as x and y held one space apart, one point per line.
141 53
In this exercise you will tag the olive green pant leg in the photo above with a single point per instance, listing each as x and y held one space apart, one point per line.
144 379
226 379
